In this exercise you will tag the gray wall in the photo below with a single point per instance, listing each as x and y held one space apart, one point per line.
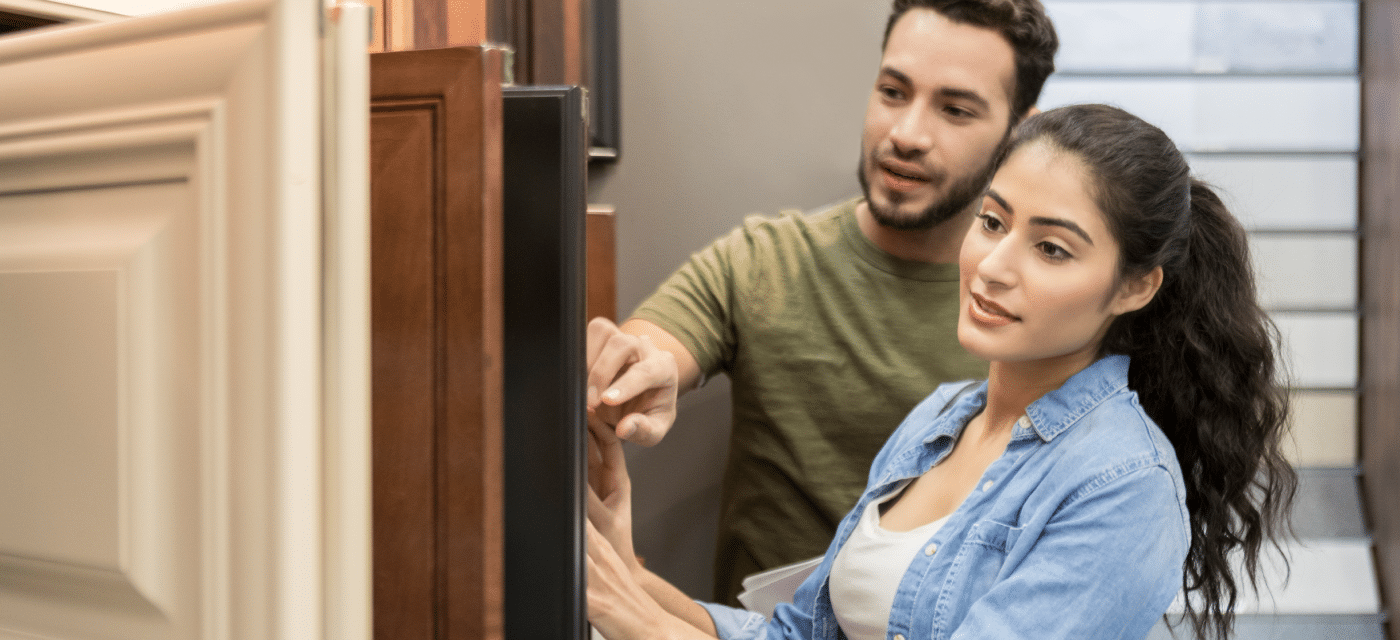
728 108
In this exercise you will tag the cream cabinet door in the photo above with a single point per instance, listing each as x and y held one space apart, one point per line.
183 327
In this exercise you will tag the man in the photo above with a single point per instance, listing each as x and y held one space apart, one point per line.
832 325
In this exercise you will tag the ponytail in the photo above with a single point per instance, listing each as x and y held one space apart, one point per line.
1204 355
1205 368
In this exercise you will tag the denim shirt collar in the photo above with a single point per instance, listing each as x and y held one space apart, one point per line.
1054 412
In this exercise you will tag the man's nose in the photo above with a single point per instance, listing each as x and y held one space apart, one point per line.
913 131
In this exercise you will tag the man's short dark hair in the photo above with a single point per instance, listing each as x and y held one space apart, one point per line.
1023 23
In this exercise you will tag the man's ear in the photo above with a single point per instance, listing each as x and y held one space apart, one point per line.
1030 111
1135 293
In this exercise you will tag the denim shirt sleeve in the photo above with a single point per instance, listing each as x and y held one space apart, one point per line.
791 621
1105 566
733 624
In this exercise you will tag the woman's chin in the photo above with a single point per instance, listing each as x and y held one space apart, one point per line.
978 344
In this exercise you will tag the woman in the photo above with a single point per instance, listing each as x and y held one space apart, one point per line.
1125 443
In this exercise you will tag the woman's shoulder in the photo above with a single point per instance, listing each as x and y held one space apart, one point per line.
947 397
1120 426
936 414
1117 442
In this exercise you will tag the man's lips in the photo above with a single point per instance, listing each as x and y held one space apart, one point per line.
987 312
903 172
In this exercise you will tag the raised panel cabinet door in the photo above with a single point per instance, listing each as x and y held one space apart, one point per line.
183 327
435 183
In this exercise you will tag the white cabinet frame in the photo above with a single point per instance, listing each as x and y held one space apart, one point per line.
185 195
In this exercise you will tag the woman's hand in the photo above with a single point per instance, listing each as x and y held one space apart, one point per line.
618 606
624 599
610 491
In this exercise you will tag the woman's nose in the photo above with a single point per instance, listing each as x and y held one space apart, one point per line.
998 267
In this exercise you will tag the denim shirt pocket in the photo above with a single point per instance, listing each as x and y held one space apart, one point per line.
972 572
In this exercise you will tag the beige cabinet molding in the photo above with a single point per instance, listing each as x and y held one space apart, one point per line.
183 335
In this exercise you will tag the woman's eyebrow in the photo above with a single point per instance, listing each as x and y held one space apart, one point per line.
1061 222
991 193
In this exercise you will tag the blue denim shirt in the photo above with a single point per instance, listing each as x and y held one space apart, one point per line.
1079 530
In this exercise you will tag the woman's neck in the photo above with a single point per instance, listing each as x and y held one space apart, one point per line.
1013 386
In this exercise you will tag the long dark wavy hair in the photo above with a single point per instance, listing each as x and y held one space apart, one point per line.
1205 361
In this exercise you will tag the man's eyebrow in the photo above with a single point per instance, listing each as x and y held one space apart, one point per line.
1061 222
946 92
966 94
898 75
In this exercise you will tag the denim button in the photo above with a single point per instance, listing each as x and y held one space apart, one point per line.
986 486
898 636
931 549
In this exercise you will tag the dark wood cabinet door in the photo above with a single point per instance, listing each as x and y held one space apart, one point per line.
436 316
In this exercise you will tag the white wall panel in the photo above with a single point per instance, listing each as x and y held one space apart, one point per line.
1124 36
1276 36
1230 113
1320 348
1099 36
1323 425
1306 271
1285 192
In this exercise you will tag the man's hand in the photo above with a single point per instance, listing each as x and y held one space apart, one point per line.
633 383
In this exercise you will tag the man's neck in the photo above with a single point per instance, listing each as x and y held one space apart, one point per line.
938 244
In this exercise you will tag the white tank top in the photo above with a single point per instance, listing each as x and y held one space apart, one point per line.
868 568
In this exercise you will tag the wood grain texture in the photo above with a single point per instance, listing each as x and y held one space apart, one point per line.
1380 365
437 346
601 232
556 42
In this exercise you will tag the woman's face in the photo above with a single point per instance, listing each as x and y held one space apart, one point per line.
1038 265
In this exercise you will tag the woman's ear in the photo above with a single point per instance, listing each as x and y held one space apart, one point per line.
1136 292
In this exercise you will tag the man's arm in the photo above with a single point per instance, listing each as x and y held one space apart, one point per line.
635 373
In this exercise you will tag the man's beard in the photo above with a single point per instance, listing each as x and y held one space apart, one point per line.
960 194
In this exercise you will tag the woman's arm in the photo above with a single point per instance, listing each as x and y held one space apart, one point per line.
621 609
627 597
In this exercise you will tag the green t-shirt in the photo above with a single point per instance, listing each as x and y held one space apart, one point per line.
829 342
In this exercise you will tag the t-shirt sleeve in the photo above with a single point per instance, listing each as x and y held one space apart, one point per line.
696 304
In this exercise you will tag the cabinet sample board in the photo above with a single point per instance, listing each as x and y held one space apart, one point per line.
545 158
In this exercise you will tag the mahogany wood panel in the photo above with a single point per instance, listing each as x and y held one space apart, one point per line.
556 42
601 232
435 184
1380 198
549 38
406 25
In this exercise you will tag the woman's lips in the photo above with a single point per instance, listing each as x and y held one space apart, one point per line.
989 313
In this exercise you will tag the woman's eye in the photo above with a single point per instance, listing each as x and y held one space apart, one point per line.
1053 251
990 222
